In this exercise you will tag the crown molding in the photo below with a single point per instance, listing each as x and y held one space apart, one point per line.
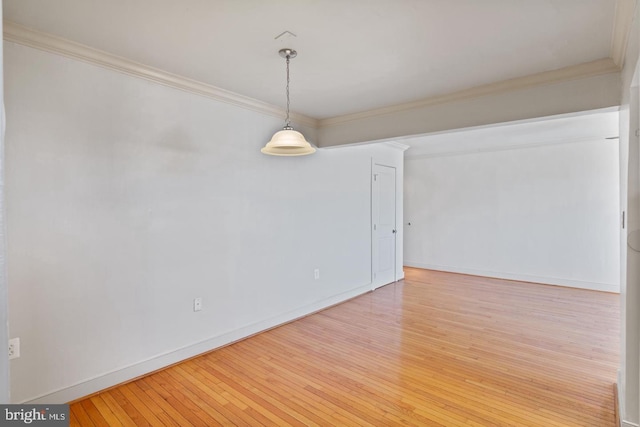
49 43
587 69
623 18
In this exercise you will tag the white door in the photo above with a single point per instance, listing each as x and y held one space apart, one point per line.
383 222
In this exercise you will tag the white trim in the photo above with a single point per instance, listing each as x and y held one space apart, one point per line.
49 43
620 407
582 284
126 373
588 69
619 394
623 18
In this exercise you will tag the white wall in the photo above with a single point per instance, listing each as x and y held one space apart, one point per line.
546 213
629 381
127 199
4 331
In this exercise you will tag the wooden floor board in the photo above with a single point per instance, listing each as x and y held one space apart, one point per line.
80 416
436 349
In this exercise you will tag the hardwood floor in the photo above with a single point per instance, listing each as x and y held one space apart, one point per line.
436 349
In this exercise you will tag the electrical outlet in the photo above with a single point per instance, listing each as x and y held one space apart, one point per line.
316 273
197 304
14 348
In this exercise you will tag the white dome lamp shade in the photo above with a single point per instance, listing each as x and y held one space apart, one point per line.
288 142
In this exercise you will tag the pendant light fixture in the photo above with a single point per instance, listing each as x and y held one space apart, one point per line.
288 142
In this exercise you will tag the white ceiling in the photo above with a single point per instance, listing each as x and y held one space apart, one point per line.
354 55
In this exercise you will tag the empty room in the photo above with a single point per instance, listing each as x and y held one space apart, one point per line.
319 213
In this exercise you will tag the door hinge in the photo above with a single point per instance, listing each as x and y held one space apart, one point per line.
375 176
623 219
375 227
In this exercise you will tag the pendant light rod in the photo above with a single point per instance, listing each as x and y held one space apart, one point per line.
288 54
287 120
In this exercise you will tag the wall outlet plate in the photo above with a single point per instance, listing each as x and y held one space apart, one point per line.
197 304
14 348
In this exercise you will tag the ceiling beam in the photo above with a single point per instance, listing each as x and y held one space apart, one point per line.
600 87
589 69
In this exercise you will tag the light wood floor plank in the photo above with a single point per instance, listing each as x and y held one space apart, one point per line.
93 413
80 416
150 414
105 403
436 349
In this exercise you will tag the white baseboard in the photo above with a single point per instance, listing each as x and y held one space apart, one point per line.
619 397
127 373
583 284
620 407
